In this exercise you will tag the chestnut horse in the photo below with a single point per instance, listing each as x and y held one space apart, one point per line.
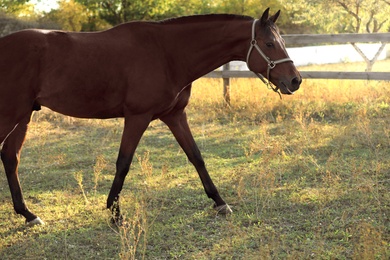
140 71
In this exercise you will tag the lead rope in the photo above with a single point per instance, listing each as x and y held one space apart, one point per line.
270 64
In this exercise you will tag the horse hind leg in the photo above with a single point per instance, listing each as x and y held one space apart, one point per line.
10 155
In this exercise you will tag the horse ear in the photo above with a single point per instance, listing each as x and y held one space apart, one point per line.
275 16
264 17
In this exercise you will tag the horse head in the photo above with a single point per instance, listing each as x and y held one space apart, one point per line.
271 61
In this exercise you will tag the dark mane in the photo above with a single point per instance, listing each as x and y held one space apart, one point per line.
205 18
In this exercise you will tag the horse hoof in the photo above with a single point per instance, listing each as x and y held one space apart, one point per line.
223 209
36 221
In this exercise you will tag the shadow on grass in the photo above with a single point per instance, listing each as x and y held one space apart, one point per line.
293 195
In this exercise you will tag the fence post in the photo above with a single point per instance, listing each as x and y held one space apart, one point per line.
226 84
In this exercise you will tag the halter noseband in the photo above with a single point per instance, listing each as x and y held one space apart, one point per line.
270 63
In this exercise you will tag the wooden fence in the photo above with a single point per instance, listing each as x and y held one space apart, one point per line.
308 39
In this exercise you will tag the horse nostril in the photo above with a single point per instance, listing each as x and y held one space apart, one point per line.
295 83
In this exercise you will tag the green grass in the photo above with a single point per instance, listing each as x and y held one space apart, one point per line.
307 178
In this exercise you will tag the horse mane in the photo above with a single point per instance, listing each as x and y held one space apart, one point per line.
211 18
204 18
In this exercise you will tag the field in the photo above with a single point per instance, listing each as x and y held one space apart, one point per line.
308 177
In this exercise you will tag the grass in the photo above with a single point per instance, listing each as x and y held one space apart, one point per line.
307 178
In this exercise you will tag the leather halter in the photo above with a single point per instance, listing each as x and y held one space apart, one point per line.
270 63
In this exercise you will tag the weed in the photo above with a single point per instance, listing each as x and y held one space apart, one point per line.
79 178
145 164
133 233
99 166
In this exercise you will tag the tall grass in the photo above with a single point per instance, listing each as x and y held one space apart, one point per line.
317 99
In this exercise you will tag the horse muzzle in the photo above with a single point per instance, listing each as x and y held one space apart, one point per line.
288 87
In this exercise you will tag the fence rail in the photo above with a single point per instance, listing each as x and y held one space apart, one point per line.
304 39
227 74
310 39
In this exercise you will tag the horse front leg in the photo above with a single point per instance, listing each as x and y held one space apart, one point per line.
177 123
10 155
134 128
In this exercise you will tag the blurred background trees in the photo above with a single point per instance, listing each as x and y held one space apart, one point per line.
298 16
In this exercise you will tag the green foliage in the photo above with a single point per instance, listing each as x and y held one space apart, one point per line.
11 6
298 16
70 15
9 24
336 16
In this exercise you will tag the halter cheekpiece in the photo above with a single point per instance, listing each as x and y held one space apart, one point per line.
270 63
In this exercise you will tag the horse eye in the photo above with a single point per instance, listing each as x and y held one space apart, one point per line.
269 44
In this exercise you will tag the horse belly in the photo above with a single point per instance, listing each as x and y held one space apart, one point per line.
83 101
81 86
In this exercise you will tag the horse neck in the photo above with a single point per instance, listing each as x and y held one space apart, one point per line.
202 46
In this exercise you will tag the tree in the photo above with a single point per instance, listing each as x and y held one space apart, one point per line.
120 11
247 7
12 6
92 11
70 15
353 16
368 15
